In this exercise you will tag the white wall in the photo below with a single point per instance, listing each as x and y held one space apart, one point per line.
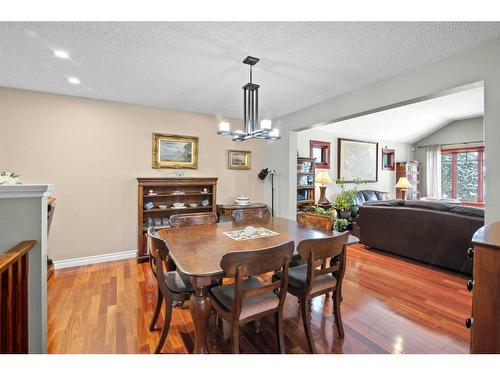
479 64
94 150
460 131
386 179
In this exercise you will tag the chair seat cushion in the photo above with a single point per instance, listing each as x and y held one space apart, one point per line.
224 295
297 278
178 282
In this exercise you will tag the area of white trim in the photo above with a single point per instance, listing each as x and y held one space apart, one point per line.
25 190
66 263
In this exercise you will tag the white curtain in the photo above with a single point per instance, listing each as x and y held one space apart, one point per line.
433 172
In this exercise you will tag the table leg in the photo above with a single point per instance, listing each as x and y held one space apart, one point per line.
200 306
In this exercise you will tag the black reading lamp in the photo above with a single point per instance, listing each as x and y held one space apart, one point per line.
262 175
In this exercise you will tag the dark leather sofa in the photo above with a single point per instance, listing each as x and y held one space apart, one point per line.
364 196
430 232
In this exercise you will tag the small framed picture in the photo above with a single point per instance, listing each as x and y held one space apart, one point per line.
238 159
175 151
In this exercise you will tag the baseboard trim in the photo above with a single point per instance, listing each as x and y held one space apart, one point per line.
75 262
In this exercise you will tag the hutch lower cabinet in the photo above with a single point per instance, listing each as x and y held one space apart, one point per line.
158 198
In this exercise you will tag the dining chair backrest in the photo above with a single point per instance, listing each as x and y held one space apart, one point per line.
184 220
319 251
243 264
250 214
158 255
315 221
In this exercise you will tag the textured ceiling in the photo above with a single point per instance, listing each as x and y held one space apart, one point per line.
412 122
196 66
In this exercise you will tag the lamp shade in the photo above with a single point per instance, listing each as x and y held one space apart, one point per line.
323 177
403 183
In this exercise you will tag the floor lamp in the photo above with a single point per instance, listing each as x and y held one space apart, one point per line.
262 175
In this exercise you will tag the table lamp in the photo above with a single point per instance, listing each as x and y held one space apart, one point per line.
323 178
403 184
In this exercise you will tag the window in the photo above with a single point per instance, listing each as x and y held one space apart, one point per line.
462 174
321 151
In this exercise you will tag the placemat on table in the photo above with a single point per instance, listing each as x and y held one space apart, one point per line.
239 235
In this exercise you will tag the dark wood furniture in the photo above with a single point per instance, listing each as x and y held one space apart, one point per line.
249 299
164 189
485 287
172 286
317 277
240 216
183 220
14 284
197 251
320 151
306 188
410 170
227 209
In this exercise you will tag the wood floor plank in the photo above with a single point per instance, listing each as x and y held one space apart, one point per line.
390 305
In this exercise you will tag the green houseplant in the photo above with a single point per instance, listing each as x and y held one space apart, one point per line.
345 200
341 225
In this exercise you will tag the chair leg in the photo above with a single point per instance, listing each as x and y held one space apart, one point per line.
212 327
235 336
166 326
336 311
156 314
279 332
306 319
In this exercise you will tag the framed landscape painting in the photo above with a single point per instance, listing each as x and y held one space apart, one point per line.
238 159
175 151
357 160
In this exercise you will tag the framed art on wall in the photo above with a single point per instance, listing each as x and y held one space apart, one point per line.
357 160
388 159
238 159
175 151
321 151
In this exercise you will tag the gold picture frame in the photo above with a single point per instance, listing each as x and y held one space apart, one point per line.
238 159
175 151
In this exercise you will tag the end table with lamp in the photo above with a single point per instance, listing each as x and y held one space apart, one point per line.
403 184
323 178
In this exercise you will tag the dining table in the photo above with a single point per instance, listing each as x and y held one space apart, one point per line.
197 252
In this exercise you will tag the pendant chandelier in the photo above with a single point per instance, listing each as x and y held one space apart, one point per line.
250 113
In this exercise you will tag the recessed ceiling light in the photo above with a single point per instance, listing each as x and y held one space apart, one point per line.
61 54
74 80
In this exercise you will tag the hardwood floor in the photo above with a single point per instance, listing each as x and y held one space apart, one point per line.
390 306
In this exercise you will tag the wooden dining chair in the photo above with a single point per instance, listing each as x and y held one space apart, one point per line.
183 220
248 298
240 216
172 285
316 277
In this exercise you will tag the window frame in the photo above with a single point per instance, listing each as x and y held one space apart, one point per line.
480 174
325 153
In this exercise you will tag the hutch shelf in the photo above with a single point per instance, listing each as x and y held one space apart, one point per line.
164 192
306 176
410 170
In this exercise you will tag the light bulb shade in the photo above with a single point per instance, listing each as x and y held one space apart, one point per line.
224 126
266 124
323 177
403 183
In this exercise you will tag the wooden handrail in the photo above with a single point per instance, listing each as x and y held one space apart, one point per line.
15 253
14 285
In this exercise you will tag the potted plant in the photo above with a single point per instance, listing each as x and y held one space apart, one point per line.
341 225
9 178
318 216
345 200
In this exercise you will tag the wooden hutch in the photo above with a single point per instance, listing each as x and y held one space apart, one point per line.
410 170
199 191
306 177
